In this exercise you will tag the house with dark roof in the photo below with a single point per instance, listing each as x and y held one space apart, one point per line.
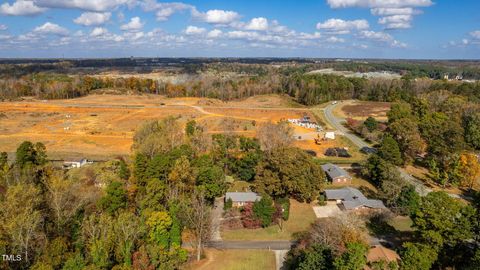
352 199
336 174
239 199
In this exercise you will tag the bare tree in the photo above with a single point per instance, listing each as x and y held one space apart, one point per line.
65 197
336 232
197 216
273 136
20 218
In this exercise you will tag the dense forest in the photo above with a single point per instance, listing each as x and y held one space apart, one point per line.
136 213
234 81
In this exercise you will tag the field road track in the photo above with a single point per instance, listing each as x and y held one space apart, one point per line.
179 105
337 123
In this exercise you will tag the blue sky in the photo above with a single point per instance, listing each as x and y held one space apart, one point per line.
440 29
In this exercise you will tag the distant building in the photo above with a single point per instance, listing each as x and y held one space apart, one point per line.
330 135
239 199
336 174
352 199
76 164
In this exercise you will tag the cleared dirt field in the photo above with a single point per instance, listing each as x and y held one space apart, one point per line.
99 126
360 110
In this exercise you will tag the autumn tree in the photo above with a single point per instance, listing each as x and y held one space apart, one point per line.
114 199
406 133
156 137
274 136
390 151
469 169
316 256
99 239
264 210
182 177
399 111
442 220
127 229
65 198
471 124
289 172
21 218
354 258
196 214
371 124
417 256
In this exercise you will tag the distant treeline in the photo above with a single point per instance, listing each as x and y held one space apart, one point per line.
304 88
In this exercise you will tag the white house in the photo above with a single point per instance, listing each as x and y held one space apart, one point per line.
76 164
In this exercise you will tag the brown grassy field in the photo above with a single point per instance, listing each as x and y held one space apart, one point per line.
361 110
101 126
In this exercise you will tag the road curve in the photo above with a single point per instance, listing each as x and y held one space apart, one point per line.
337 123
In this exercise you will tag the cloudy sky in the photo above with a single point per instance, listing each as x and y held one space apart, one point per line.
445 29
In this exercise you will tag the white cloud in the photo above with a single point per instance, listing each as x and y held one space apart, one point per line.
193 30
215 33
339 26
258 24
91 5
379 3
335 40
21 8
99 31
93 18
3 27
395 14
135 24
475 34
381 37
165 10
394 11
51 28
396 21
216 16
315 35
5 37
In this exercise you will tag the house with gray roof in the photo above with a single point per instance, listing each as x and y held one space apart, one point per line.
336 174
239 199
352 199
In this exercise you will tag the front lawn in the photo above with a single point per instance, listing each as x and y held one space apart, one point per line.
235 260
301 217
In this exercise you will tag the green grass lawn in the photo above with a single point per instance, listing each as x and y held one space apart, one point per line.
236 260
301 217
353 150
402 223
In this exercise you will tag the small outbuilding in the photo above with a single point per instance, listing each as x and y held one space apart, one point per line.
336 174
239 199
329 135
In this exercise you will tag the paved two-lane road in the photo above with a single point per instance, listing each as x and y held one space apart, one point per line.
337 123
269 245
